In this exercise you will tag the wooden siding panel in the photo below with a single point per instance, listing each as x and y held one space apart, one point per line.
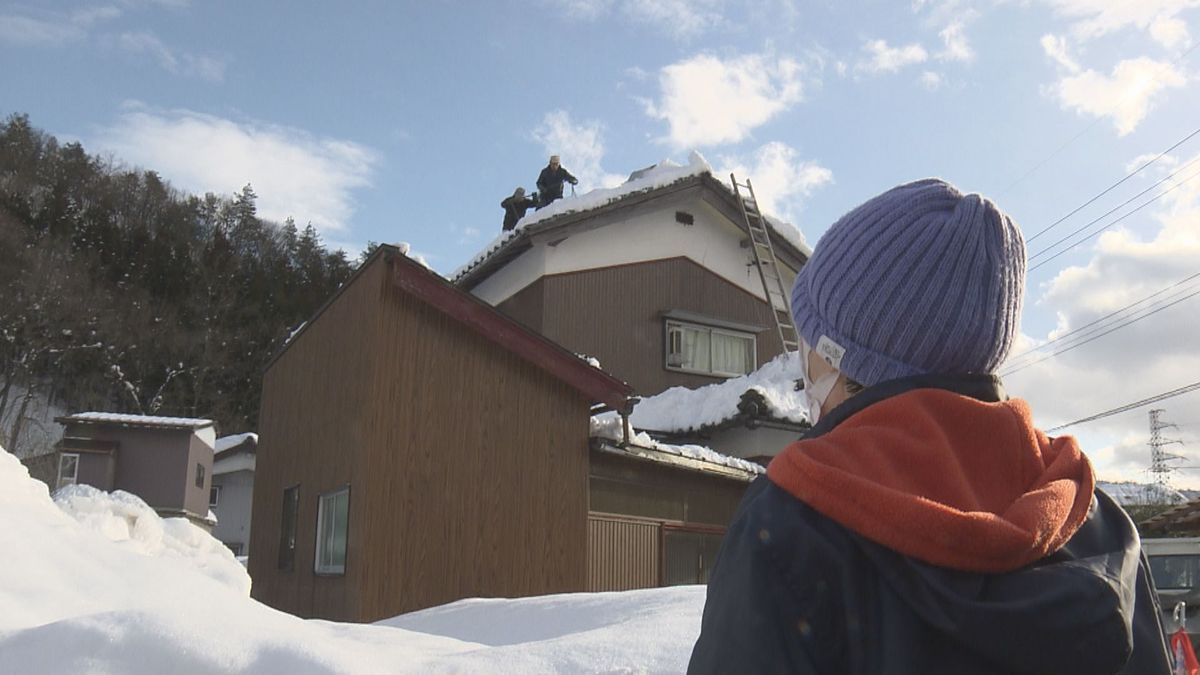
311 435
623 553
477 480
633 487
615 315
526 305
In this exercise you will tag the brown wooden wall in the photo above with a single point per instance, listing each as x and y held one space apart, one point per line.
615 315
311 434
477 469
623 553
634 487
467 465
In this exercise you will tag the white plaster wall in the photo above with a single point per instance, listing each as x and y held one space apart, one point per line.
233 508
712 241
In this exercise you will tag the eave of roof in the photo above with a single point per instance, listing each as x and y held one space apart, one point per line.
522 239
128 420
490 323
643 453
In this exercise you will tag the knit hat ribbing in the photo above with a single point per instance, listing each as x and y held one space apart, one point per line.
920 279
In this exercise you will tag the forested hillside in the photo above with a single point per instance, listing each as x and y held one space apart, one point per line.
119 292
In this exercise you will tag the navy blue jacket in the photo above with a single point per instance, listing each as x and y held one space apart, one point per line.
794 592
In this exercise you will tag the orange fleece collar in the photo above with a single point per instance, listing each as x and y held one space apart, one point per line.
946 479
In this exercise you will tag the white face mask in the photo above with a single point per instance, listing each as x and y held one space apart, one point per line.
815 393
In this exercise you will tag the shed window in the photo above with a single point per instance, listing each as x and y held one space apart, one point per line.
287 528
214 496
711 351
68 469
333 516
199 475
1175 571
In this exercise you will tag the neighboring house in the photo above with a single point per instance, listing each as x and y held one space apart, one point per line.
417 447
233 489
167 461
655 278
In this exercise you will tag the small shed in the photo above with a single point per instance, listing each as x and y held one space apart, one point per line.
232 490
417 447
167 461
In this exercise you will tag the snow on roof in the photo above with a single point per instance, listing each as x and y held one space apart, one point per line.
608 425
1141 494
660 175
137 420
681 409
227 442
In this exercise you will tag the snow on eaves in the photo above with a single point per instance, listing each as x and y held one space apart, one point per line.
608 425
680 409
660 175
140 420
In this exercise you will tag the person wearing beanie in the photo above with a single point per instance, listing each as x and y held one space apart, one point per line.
550 182
924 524
515 207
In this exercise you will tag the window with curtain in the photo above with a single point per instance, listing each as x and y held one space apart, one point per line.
333 516
711 351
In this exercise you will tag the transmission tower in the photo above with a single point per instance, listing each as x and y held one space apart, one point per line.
1160 460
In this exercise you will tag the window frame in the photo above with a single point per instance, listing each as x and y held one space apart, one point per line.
58 481
328 568
200 475
286 561
214 491
668 324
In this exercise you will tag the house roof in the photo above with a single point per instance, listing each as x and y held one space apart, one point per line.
658 182
246 442
487 321
128 420
767 394
684 457
1181 518
417 280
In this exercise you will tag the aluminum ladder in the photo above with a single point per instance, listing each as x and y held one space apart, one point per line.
765 261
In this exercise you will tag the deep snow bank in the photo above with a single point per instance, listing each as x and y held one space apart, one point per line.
106 592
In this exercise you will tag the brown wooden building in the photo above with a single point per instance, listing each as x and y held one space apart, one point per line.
658 284
416 446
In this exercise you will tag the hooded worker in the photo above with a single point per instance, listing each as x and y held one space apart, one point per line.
924 524
550 181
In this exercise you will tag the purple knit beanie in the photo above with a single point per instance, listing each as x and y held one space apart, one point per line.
920 279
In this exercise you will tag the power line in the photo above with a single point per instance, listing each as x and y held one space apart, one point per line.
1086 331
1116 208
1110 188
1114 222
1130 406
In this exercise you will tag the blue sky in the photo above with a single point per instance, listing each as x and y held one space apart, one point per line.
402 121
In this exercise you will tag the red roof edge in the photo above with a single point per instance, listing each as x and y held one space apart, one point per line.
486 320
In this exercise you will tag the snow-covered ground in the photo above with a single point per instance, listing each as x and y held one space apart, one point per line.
97 583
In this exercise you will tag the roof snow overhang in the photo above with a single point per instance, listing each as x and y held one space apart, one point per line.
656 456
129 420
425 284
701 186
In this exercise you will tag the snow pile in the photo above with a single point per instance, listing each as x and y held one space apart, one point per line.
75 601
126 520
1141 494
608 425
681 409
226 442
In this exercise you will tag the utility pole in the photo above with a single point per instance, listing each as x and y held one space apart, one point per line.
1160 459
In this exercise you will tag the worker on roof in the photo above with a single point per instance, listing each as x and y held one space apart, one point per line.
550 182
924 524
515 207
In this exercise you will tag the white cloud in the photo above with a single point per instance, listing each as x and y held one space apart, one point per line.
205 67
956 46
710 101
1126 96
1092 19
26 31
1056 47
294 173
781 178
680 19
930 80
882 58
581 147
1151 356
